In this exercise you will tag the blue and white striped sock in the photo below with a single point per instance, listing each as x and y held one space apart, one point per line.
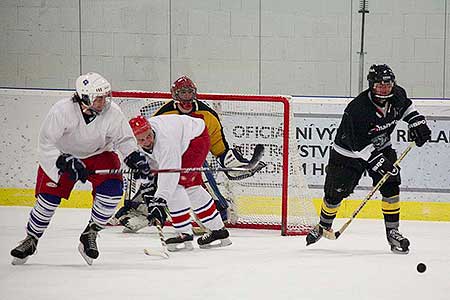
42 213
107 196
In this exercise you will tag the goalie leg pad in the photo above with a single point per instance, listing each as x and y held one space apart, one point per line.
134 223
219 199
134 219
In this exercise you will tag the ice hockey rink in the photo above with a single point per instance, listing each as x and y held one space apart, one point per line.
259 265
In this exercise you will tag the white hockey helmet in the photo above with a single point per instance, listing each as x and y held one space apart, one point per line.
92 85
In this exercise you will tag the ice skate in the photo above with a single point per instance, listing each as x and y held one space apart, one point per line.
208 239
23 251
399 244
182 242
88 245
314 235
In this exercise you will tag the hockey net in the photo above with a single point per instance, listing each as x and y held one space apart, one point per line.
277 197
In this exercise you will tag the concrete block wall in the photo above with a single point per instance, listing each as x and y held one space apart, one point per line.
297 47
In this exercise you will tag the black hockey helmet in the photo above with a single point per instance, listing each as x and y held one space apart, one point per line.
380 74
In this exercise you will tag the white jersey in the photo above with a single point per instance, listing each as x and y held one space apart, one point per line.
173 134
64 130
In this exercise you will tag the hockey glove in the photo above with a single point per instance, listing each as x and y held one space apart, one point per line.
149 187
157 211
232 158
419 130
137 160
74 166
379 163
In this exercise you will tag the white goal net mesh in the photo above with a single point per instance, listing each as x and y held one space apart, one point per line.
277 197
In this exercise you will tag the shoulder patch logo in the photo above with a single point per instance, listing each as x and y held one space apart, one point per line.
51 184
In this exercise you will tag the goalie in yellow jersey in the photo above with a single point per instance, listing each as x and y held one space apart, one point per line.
184 102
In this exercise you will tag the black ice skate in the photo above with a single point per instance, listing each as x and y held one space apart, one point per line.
207 240
314 235
399 244
182 242
88 245
22 252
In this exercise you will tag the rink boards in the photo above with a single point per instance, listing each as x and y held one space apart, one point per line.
425 172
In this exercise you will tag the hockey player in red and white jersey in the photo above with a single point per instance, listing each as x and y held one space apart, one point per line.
80 134
173 142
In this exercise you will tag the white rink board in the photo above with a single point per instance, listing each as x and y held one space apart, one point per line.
425 171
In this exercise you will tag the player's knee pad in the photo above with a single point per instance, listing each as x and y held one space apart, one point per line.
56 200
340 182
198 196
110 187
390 189
332 202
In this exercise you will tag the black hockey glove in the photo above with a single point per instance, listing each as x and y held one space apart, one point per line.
379 163
74 166
157 211
148 189
137 160
419 130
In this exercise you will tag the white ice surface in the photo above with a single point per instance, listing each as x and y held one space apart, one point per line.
259 264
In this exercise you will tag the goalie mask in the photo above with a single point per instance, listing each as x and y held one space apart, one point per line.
184 93
381 81
94 92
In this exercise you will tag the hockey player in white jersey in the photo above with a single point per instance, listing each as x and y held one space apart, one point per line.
173 142
80 134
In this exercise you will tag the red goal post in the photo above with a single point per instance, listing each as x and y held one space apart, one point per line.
278 196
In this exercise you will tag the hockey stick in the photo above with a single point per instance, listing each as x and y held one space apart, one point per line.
257 154
163 253
329 234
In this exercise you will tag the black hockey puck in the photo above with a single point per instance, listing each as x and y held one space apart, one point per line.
421 267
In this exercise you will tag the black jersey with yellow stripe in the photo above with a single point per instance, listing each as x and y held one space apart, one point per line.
201 110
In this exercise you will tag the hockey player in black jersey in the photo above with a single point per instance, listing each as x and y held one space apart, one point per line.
363 142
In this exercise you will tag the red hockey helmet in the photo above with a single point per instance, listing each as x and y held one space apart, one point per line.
139 125
184 93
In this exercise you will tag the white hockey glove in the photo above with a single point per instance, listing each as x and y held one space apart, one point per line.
232 158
